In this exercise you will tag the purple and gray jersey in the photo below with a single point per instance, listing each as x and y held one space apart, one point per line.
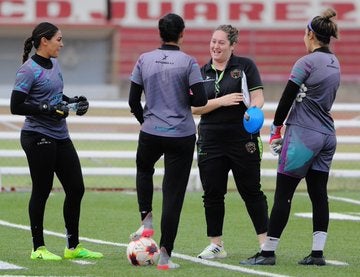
318 74
166 76
42 85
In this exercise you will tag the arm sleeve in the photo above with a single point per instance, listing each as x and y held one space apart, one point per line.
18 104
285 102
198 95
135 101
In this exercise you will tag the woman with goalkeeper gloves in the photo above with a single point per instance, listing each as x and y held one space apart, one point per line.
309 141
232 84
38 95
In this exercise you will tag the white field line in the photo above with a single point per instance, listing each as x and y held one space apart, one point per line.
177 255
343 199
333 216
332 262
5 265
339 216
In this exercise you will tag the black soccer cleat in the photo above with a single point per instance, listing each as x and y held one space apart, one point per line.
257 259
309 260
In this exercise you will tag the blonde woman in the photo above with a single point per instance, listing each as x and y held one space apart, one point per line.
233 84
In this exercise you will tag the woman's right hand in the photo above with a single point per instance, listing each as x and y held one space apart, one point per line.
231 99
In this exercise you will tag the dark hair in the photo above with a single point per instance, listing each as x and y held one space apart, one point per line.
44 29
232 33
324 27
170 27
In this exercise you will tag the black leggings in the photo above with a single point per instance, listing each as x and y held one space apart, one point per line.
316 182
47 156
178 156
219 152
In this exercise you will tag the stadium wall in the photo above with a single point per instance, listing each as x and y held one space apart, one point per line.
102 42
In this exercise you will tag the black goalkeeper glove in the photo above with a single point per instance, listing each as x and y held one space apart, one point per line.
82 106
58 111
78 104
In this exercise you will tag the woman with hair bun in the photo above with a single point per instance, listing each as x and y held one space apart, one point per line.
309 142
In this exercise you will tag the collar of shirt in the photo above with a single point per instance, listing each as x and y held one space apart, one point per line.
169 47
43 62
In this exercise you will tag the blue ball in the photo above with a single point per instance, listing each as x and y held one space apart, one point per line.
256 120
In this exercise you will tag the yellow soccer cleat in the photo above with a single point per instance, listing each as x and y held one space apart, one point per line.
81 253
43 254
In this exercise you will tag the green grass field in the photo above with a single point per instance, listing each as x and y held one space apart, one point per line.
108 218
109 215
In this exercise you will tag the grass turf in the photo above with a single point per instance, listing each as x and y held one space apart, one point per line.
111 217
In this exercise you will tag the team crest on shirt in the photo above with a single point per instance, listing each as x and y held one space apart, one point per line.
236 73
250 147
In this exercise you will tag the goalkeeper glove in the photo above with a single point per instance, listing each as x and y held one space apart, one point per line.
58 111
276 140
82 106
78 104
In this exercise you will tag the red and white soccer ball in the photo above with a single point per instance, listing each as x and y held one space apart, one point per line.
143 251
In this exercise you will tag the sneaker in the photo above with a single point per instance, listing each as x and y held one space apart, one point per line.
43 254
142 232
257 259
81 253
164 261
213 251
309 260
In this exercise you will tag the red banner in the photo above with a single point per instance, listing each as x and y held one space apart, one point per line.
197 14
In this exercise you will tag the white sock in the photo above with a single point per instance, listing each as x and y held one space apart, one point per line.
319 240
271 244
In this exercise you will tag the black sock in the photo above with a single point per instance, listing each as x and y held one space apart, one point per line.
317 253
37 242
267 253
72 240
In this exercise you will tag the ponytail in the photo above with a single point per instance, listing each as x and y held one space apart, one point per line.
27 48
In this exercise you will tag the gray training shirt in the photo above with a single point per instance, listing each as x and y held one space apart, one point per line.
42 85
166 75
320 73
